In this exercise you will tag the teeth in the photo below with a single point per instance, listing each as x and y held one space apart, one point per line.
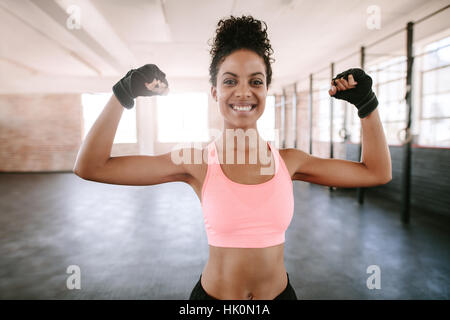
242 108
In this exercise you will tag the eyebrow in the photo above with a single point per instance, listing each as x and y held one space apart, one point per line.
251 75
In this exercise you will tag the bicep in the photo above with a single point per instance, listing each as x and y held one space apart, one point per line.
139 170
332 172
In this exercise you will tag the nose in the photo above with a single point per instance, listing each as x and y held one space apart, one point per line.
243 90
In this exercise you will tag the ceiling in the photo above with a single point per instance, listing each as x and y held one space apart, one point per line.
43 51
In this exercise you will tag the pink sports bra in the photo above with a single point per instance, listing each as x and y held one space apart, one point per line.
246 215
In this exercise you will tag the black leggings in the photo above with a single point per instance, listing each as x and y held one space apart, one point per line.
198 293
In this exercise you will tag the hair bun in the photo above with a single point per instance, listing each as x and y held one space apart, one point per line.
240 33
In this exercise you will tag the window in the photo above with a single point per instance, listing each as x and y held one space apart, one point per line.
183 117
354 122
389 81
324 112
434 119
266 123
93 105
338 119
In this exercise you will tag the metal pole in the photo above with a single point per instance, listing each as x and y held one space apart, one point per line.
406 188
331 120
310 111
360 191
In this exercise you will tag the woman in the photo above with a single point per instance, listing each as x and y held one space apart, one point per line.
246 212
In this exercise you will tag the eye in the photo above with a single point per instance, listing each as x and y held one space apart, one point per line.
256 82
227 81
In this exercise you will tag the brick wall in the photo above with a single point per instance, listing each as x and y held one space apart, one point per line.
42 132
39 132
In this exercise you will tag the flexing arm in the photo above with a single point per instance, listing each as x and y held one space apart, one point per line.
96 147
375 167
94 161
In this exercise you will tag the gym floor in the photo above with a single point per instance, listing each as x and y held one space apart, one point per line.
150 243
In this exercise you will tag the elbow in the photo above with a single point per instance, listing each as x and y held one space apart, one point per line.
381 178
386 179
77 171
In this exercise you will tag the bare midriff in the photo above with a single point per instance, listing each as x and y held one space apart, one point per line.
245 273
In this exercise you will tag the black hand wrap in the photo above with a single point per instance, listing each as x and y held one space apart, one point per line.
133 84
362 96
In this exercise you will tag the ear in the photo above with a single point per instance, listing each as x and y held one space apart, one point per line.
214 93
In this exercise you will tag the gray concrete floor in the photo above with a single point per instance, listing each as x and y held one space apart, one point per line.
149 242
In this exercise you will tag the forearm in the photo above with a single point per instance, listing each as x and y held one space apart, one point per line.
375 150
96 147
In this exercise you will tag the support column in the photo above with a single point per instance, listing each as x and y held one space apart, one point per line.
406 172
360 191
331 120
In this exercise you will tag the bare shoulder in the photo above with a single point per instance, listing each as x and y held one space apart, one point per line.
194 162
293 159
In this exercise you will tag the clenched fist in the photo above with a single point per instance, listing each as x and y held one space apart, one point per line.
147 80
355 86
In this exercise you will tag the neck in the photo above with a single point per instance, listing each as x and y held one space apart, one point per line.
240 143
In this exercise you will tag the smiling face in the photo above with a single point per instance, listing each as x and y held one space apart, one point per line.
241 80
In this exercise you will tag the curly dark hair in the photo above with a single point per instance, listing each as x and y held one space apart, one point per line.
240 33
